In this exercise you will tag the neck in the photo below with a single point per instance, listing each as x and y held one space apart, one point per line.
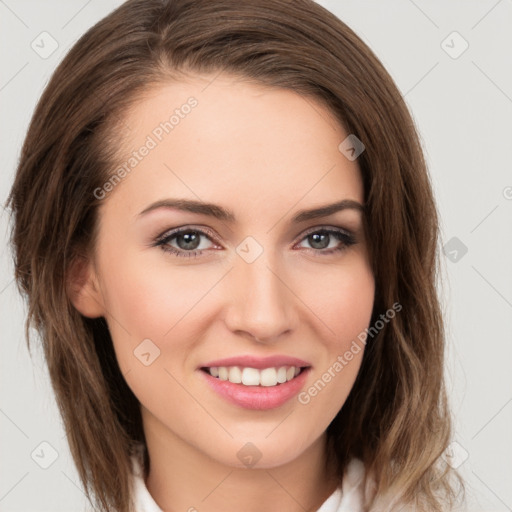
183 478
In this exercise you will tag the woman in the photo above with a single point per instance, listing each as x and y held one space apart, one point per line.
233 265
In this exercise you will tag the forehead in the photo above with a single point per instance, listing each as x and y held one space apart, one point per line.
218 138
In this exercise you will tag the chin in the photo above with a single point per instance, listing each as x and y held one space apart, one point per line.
252 452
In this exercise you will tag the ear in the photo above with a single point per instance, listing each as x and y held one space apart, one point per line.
83 288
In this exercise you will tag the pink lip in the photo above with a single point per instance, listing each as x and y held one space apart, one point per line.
258 362
256 397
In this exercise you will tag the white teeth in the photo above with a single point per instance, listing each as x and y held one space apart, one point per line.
250 377
281 374
253 377
268 377
235 375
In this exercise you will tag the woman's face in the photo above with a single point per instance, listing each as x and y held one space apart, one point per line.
254 275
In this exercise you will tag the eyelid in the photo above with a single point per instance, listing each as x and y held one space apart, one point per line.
187 227
315 229
191 227
345 236
162 240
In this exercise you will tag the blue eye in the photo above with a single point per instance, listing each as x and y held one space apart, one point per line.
320 240
187 242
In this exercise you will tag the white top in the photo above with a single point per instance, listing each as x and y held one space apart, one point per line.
348 498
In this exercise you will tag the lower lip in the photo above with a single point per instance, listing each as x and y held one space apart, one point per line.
257 397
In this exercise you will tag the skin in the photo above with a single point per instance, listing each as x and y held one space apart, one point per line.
264 154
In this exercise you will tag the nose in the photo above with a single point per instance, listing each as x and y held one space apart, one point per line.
262 304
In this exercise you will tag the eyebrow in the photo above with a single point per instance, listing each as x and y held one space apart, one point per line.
218 212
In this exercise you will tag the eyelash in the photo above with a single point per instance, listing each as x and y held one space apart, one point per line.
163 240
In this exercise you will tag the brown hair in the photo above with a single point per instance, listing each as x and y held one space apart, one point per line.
396 418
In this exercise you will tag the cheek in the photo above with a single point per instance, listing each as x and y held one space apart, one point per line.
152 301
342 297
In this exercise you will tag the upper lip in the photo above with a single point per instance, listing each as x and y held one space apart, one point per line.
249 361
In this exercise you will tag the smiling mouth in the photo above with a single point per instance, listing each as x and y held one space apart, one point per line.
247 376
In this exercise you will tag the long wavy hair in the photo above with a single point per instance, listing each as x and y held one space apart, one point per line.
396 418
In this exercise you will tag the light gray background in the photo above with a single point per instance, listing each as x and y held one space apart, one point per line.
462 107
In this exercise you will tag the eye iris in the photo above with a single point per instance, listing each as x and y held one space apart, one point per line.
319 240
191 240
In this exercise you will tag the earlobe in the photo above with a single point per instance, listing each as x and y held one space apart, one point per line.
83 288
